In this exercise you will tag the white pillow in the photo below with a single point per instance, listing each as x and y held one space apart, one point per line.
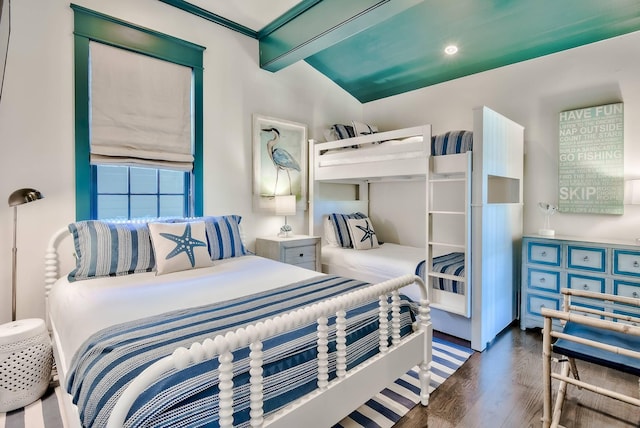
329 232
363 236
360 128
179 246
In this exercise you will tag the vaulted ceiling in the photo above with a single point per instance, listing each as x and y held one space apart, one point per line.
374 49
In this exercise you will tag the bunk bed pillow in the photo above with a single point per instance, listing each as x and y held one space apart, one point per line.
360 128
329 232
339 221
451 142
179 246
362 234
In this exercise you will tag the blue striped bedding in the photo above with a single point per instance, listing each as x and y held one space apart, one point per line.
111 358
452 264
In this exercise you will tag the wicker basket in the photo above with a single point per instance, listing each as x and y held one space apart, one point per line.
25 362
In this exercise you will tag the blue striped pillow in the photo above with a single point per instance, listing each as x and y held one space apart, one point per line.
223 233
341 227
451 142
110 249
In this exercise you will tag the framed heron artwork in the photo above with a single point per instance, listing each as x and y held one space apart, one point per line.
279 161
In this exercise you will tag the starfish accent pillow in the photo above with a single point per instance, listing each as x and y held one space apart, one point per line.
179 246
362 234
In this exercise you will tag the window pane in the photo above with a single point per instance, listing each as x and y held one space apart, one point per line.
172 206
171 181
112 179
144 206
143 180
113 206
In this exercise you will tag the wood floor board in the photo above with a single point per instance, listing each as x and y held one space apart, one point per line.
502 387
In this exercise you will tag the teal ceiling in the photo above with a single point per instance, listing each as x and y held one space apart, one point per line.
375 49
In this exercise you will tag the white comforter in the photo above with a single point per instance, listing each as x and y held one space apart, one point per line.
79 309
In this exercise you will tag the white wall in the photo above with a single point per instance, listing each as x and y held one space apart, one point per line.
532 93
37 124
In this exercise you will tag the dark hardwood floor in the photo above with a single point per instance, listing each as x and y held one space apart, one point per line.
502 387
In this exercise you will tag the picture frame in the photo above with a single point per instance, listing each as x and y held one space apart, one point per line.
279 162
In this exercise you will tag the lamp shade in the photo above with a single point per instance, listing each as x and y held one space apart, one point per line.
23 196
286 205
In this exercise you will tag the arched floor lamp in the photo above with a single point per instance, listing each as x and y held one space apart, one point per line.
19 197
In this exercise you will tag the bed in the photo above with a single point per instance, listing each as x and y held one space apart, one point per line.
473 199
239 341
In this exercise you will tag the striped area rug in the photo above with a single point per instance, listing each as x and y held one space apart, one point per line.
382 411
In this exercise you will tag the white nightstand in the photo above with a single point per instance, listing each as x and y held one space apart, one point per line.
25 362
298 250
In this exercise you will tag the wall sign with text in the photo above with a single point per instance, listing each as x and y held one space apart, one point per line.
591 163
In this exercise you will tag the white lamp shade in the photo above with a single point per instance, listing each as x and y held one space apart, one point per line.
285 205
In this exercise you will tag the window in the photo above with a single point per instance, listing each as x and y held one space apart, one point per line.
133 192
107 191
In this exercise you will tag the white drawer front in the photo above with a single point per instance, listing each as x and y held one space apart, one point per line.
626 262
586 258
627 289
545 280
579 282
536 303
548 254
297 255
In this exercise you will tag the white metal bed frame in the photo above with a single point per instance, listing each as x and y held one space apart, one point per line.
342 395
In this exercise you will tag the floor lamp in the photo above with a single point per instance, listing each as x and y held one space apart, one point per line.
19 197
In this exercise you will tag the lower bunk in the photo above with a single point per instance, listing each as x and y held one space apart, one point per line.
245 342
390 260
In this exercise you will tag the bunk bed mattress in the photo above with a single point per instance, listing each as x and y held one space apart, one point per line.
153 315
391 260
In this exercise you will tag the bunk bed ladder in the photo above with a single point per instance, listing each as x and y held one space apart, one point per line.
445 211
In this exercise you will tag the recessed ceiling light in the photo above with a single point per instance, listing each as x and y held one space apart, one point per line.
451 50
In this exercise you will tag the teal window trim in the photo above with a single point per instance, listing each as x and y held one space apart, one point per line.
90 25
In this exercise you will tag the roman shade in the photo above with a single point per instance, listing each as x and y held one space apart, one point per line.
140 110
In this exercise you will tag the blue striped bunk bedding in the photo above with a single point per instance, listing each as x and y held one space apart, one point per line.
111 358
451 264
451 142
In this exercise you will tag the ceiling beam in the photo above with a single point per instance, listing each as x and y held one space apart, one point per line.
324 24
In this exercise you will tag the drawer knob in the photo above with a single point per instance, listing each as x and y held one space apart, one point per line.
585 259
543 254
634 294
635 263
543 280
301 255
585 286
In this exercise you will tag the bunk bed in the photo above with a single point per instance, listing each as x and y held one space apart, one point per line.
241 340
474 214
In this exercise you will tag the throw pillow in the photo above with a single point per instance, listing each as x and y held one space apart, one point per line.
179 246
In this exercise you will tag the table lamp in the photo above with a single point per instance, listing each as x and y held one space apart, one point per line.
285 206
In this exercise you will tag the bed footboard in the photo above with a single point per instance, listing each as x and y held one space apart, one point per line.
343 394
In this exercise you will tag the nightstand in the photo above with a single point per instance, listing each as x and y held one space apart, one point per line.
298 250
25 362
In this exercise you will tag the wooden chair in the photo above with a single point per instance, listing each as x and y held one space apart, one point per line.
608 337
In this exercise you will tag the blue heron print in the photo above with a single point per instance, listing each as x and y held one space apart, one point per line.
281 158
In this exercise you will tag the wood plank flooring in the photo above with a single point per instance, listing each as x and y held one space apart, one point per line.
502 387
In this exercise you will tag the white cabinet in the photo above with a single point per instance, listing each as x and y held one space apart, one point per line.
298 250
549 264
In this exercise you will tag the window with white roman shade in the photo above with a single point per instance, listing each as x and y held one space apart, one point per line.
140 110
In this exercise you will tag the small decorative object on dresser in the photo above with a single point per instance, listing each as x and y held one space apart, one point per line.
298 250
548 210
599 265
25 362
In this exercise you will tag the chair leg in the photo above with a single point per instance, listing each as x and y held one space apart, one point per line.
562 392
574 370
546 369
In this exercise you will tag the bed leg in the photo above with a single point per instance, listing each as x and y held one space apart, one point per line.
425 367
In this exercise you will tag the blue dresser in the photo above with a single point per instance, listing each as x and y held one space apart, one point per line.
549 264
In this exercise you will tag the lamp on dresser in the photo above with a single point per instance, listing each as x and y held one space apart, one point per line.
19 197
285 206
